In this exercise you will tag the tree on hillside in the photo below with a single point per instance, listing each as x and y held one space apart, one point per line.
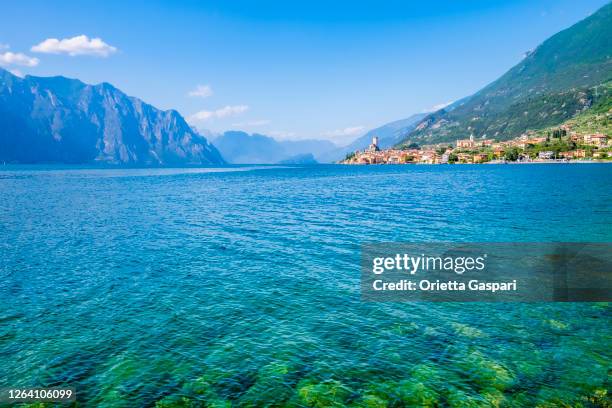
512 154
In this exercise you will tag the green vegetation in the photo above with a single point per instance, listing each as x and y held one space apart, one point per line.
349 156
555 147
442 149
597 119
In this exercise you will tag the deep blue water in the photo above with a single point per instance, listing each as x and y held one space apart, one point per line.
240 286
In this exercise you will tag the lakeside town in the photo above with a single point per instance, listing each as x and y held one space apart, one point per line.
558 145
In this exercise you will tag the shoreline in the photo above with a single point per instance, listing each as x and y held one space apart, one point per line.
486 163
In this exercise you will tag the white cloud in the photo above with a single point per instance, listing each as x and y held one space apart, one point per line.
79 45
11 58
17 73
261 122
437 107
219 113
201 91
348 131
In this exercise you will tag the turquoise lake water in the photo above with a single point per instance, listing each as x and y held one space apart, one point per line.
240 286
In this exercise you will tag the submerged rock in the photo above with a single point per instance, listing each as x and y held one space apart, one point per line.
485 372
330 393
467 331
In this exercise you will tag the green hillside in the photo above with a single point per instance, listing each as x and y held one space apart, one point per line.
552 84
596 119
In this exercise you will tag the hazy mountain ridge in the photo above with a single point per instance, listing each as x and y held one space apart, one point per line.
304 158
388 134
550 85
57 119
240 147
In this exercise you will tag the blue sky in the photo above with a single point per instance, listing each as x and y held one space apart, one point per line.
313 69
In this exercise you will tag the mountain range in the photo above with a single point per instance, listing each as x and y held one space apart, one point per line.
239 147
553 83
57 119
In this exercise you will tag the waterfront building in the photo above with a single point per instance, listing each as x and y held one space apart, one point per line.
480 158
580 153
597 139
429 157
464 158
499 152
546 155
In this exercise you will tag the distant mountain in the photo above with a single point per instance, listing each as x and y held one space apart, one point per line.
553 83
388 135
62 120
305 158
240 147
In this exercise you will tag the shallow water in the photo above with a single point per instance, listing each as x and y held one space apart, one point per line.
241 286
